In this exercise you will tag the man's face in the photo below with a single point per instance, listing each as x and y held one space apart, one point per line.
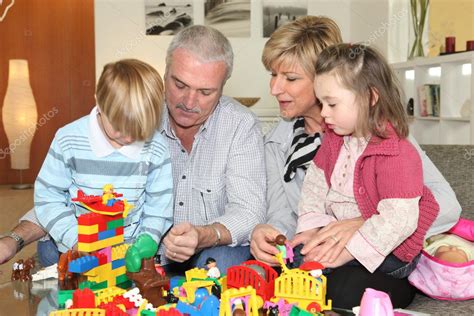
192 88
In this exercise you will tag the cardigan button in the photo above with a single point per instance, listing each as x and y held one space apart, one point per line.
361 190
409 256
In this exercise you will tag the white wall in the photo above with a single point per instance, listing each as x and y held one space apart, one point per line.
120 33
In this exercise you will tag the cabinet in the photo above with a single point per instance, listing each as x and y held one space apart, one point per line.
454 75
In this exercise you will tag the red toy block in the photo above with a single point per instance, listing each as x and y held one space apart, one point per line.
91 219
122 300
87 238
171 312
112 310
119 231
83 298
102 258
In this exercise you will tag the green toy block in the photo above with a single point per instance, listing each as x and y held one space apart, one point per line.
121 278
148 313
115 223
63 296
125 285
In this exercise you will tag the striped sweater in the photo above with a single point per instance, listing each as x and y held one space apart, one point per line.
71 165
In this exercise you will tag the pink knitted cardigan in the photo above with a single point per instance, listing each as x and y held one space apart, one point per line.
388 168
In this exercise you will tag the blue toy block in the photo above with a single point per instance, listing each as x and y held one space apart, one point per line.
118 263
106 234
83 264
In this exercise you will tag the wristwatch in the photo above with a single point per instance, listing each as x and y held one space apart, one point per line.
19 241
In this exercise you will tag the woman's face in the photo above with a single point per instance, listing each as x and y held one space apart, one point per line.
293 89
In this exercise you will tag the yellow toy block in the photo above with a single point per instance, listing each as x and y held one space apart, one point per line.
191 287
107 295
88 230
100 244
196 273
249 292
79 311
118 252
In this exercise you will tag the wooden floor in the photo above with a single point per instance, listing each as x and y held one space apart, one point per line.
13 204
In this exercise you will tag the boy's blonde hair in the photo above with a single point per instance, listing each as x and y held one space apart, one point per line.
300 42
365 72
130 95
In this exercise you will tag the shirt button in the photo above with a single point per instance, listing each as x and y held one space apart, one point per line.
183 177
183 151
361 190
181 203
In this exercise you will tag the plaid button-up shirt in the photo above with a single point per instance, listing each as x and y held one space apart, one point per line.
222 180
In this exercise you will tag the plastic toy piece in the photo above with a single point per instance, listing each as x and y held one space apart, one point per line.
144 247
212 269
90 247
118 252
83 299
247 295
108 294
150 283
63 296
67 280
83 264
94 204
314 268
79 311
46 273
209 306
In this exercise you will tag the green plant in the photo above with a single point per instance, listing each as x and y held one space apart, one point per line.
418 20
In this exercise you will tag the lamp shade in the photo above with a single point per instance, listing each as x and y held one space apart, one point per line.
19 114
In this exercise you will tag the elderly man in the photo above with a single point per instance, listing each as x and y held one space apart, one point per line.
217 157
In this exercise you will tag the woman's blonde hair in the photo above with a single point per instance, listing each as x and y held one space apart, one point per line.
364 71
130 94
300 42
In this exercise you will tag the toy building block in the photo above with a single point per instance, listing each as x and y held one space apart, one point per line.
94 286
118 252
121 278
46 273
107 252
63 296
83 299
195 273
90 247
118 263
171 312
115 223
87 230
79 311
87 238
83 264
119 231
113 310
108 294
106 234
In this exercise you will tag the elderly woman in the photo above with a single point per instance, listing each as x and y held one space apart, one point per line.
290 55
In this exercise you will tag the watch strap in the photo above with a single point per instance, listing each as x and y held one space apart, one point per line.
20 243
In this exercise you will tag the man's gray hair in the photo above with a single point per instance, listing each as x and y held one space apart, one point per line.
207 43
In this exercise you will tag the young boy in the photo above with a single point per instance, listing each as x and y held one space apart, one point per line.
116 144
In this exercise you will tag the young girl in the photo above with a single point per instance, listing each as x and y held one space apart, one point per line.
365 168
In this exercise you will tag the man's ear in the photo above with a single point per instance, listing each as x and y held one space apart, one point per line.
374 96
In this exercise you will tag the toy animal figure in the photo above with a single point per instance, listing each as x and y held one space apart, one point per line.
141 269
16 269
25 273
67 280
150 282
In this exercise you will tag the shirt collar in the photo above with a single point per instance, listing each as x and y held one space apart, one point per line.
101 147
168 130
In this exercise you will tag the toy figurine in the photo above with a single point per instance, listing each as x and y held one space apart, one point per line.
17 267
108 197
212 269
285 249
314 268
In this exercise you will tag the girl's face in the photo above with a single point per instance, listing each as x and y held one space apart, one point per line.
293 89
340 109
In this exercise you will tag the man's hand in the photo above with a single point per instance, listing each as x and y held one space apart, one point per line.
260 246
181 242
7 249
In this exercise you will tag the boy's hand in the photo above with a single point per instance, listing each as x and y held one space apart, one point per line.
260 244
181 242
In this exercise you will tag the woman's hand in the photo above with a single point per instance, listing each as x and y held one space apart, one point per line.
261 246
330 241
343 258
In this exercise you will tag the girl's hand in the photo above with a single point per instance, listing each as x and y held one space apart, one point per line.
331 240
260 245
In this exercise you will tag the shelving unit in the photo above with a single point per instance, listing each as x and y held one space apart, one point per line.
454 75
